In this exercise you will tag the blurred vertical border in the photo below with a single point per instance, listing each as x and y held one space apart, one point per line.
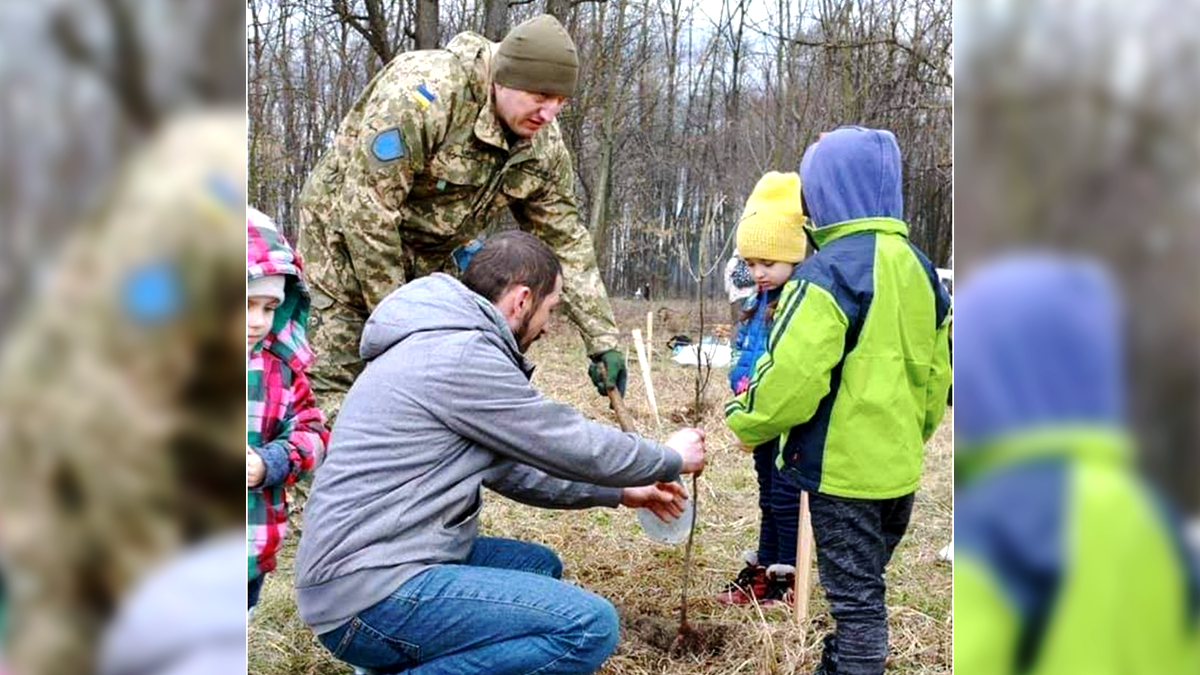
1077 158
1077 128
122 389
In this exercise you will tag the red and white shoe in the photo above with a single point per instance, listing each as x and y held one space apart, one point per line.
781 586
750 585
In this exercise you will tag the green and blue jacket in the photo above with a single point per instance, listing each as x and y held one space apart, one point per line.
857 367
1066 562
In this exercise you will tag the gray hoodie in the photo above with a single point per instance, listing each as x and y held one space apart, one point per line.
444 408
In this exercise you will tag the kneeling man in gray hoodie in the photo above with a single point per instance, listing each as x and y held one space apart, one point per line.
391 572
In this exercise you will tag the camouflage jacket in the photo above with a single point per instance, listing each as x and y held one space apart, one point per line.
420 166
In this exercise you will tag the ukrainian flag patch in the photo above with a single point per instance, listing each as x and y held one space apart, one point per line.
423 96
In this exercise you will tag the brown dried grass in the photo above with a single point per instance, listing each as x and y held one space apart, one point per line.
604 550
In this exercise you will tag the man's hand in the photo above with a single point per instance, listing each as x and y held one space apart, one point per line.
614 374
256 471
689 443
665 500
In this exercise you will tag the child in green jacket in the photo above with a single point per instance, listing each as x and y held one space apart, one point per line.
854 380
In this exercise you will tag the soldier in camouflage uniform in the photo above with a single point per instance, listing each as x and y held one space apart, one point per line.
122 395
438 143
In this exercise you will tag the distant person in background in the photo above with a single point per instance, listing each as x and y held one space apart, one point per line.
739 285
1067 562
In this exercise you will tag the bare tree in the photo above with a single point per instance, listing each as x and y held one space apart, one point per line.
371 24
123 68
559 9
611 69
679 103
427 24
495 23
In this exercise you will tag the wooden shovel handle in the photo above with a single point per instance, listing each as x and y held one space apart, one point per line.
617 402
618 406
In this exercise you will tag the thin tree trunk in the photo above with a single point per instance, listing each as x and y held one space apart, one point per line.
599 215
427 24
495 23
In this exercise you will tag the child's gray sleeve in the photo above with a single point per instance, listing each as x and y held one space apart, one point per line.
276 459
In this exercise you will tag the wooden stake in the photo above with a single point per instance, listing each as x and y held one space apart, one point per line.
645 363
804 543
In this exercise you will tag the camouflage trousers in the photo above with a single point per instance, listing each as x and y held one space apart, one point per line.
334 331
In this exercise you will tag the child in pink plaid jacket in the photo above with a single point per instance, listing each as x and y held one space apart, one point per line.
286 434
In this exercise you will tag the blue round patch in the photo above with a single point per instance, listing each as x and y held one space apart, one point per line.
152 293
388 146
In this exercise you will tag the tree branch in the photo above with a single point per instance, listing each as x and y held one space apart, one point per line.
891 41
126 74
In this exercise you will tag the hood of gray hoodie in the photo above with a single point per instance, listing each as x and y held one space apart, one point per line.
438 302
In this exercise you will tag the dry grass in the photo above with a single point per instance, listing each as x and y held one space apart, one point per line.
604 550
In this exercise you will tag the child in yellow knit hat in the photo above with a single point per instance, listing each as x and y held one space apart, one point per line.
770 237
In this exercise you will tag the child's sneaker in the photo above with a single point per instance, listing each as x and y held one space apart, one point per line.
781 585
749 586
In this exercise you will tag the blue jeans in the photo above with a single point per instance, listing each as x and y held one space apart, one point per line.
502 611
779 506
